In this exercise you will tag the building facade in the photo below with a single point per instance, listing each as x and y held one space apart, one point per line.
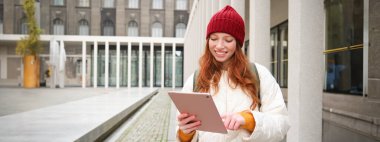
129 18
145 18
324 55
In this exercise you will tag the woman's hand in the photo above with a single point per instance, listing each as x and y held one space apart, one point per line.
233 121
188 123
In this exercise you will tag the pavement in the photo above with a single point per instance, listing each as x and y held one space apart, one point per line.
71 114
152 123
16 100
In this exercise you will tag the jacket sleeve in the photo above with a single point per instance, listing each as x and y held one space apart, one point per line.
272 122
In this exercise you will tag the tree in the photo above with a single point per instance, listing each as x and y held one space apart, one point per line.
30 45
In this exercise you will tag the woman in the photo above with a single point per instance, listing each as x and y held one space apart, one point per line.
225 74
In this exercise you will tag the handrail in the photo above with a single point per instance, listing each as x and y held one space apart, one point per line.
341 49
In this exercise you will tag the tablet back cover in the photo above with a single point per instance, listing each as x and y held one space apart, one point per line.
201 105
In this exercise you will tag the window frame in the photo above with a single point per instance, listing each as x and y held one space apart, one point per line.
279 64
130 23
157 4
179 7
344 49
56 26
23 25
156 29
81 2
105 5
182 31
135 7
81 23
58 2
109 23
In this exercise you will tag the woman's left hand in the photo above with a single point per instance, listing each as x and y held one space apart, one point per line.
233 121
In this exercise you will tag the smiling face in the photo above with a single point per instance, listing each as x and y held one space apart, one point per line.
222 46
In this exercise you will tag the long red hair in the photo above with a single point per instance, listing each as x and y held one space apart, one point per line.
239 73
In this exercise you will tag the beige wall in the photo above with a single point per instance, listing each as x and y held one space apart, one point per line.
279 12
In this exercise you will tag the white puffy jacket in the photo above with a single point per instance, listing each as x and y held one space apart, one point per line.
272 121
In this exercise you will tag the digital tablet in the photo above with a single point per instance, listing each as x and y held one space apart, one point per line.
202 106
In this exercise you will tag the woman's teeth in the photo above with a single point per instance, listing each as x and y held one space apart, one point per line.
220 53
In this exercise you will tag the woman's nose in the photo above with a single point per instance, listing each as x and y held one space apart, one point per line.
220 44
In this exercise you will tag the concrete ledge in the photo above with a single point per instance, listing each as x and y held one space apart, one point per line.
362 124
82 120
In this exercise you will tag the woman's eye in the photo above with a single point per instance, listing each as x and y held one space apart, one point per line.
213 39
229 41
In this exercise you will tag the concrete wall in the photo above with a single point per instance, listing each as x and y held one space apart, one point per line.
336 133
374 50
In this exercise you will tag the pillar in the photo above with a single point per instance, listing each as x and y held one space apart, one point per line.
306 69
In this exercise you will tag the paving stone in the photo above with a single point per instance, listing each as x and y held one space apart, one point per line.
152 125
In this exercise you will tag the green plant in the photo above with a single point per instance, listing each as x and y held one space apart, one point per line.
30 45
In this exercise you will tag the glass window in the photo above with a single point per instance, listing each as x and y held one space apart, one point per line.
108 28
58 2
279 53
274 51
24 26
84 27
133 29
157 4
157 29
180 30
133 3
344 46
181 5
58 27
108 3
84 3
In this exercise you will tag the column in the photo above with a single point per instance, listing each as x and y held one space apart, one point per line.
306 68
208 11
259 31
239 6
371 55
45 16
162 65
71 20
118 64
95 17
145 17
120 18
3 63
169 18
9 18
214 7
129 63
151 64
173 67
106 67
223 3
84 64
95 60
140 63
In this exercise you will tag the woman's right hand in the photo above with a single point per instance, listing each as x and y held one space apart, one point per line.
188 123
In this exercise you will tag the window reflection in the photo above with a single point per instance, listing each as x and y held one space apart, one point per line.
344 30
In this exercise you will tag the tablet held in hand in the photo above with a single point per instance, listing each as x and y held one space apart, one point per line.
202 106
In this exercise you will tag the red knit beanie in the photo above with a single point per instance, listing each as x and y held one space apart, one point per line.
228 21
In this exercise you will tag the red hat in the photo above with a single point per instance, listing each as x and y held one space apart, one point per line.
228 21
